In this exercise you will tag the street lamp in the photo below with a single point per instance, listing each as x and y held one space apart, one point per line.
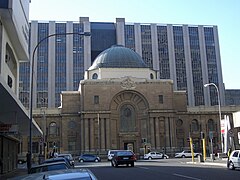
219 106
31 85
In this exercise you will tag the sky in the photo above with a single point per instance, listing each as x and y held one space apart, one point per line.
223 13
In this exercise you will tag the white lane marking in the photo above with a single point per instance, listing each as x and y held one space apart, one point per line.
143 167
187 177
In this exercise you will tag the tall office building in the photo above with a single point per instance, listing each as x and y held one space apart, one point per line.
187 54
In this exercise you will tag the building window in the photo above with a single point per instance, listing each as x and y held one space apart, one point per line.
127 118
211 125
195 125
96 99
94 76
72 125
160 99
71 145
53 128
179 122
10 82
151 76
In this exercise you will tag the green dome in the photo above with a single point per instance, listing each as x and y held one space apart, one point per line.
118 57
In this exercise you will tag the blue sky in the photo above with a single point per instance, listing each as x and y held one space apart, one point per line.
223 13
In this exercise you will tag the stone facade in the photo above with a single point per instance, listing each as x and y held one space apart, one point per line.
127 113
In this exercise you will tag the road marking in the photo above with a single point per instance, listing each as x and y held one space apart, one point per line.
187 177
143 168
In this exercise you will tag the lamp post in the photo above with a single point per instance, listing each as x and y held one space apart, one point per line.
219 106
31 85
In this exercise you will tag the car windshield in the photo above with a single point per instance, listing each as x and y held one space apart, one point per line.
124 153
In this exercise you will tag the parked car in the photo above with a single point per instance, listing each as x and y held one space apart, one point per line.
67 156
22 158
70 174
185 154
48 167
234 160
58 159
110 154
89 158
123 157
155 155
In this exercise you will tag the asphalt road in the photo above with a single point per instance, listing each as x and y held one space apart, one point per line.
163 169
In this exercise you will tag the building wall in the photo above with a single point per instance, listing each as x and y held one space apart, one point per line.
84 125
14 40
187 54
232 97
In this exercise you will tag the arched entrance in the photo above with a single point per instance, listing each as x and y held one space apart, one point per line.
128 120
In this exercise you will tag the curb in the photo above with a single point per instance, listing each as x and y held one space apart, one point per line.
209 163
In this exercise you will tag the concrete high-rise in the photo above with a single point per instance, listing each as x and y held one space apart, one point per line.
187 54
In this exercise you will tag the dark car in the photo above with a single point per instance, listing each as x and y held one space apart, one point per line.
123 157
48 167
59 159
89 158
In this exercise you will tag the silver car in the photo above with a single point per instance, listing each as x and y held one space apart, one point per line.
185 154
155 155
69 174
234 160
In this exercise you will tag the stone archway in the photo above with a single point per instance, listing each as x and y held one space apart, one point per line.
128 120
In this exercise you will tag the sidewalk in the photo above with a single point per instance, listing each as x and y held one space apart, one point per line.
217 162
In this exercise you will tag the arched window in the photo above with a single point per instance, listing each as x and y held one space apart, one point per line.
211 125
151 76
179 122
94 76
195 125
127 118
52 128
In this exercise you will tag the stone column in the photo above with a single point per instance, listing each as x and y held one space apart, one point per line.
152 133
157 133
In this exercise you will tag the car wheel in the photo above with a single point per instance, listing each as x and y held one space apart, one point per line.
96 160
164 157
183 156
81 160
115 164
231 166
150 158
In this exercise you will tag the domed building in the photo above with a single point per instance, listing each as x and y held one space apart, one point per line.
121 104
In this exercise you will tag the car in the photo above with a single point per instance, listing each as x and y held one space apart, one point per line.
89 158
121 157
110 154
48 167
186 153
155 155
70 174
67 156
22 158
58 159
234 160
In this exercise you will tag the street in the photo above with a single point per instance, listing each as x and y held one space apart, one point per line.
161 169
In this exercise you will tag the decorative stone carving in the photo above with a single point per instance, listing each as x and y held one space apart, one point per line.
128 84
